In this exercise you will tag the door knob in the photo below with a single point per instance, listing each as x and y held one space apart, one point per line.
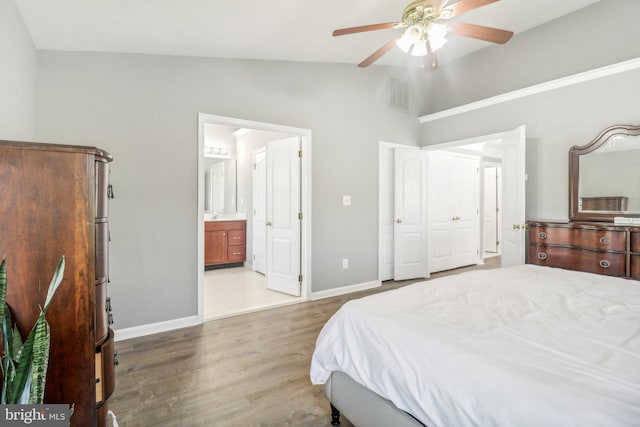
399 221
516 226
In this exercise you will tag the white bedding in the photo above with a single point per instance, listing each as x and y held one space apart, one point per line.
520 346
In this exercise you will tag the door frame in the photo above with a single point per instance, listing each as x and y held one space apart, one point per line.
305 198
498 136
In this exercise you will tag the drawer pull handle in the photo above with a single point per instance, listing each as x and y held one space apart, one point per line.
604 263
542 235
605 240
236 253
542 255
236 237
116 360
108 304
110 317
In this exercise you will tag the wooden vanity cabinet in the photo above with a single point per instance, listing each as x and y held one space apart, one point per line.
54 202
586 246
225 243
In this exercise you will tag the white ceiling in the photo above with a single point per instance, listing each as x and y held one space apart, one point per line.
290 30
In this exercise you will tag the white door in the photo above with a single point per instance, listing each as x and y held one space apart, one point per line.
386 215
217 185
440 212
454 233
513 195
491 209
260 210
283 223
410 208
466 210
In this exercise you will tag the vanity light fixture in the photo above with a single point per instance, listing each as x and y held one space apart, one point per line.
216 151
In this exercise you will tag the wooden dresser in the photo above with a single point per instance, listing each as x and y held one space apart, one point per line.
225 243
601 248
54 202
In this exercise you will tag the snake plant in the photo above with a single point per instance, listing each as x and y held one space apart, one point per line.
24 363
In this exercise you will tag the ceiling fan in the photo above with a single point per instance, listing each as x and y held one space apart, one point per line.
426 28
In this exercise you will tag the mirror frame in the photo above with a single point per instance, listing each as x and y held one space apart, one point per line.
574 171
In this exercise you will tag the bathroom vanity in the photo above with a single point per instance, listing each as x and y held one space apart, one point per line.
225 243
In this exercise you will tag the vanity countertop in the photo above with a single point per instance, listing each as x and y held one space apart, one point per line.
225 217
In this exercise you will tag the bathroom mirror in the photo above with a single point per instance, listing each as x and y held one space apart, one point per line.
604 176
220 177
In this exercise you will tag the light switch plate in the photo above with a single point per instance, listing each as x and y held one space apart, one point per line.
346 200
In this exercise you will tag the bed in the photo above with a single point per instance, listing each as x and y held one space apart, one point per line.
518 346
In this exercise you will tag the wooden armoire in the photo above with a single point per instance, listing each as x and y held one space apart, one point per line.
54 203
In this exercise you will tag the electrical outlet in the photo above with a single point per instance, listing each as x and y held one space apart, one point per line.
345 263
346 200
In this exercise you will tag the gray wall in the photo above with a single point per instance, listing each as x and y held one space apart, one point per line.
599 35
143 109
18 59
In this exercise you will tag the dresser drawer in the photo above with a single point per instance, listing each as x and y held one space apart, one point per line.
635 267
102 319
102 185
635 241
604 240
105 369
236 237
236 253
102 250
610 264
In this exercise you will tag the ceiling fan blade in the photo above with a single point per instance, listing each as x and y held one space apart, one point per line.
463 6
363 28
493 35
378 53
430 61
438 4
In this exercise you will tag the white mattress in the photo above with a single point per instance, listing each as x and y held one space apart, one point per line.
520 346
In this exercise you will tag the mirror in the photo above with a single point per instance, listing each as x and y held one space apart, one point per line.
220 185
604 176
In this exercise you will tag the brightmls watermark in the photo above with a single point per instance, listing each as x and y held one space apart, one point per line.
48 415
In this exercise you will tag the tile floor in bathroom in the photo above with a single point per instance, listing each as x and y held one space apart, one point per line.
231 291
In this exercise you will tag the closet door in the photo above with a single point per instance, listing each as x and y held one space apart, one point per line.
453 210
513 194
410 208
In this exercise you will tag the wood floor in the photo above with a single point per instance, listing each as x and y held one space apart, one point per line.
248 370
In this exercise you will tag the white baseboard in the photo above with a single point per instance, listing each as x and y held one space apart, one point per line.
345 290
155 328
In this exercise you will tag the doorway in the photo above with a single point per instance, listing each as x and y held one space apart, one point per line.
231 289
504 149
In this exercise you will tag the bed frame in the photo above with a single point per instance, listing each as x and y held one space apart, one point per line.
362 406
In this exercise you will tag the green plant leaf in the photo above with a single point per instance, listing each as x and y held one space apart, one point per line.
25 363
3 286
40 360
7 343
55 283
15 342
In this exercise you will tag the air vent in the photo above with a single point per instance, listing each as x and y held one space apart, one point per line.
398 94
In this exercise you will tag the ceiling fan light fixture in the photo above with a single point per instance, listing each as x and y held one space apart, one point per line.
419 49
411 36
437 35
